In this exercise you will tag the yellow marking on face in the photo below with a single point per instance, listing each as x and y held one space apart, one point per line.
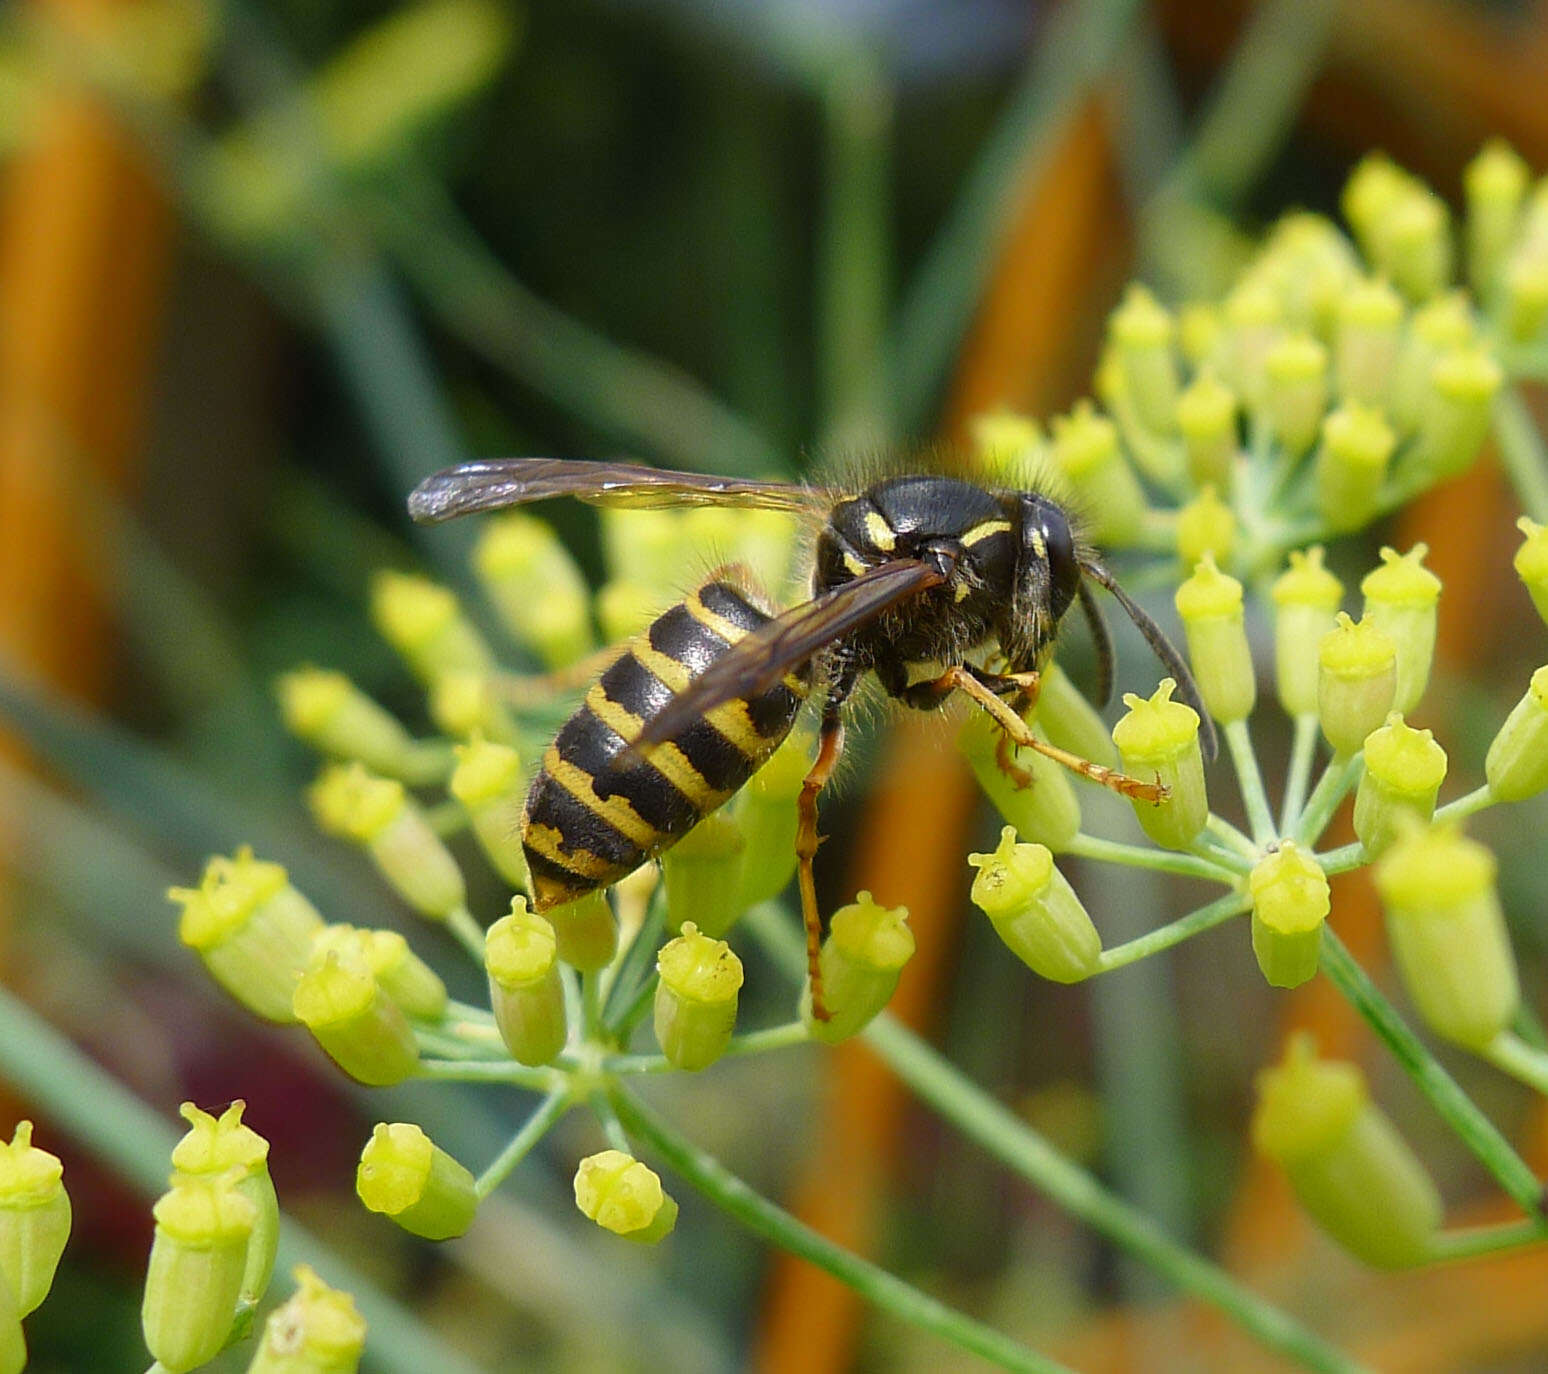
961 594
880 533
713 621
616 811
987 530
853 564
1039 545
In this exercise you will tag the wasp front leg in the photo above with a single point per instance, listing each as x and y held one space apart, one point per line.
1027 687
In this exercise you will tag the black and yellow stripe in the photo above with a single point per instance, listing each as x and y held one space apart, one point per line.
597 809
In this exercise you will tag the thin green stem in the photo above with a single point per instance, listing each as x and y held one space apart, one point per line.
1013 1142
612 1127
636 1010
543 1120
469 934
1207 917
1523 454
754 1042
443 1043
491 1071
1511 1054
591 1003
1476 1131
777 1226
634 972
1337 778
1140 856
1303 753
1231 837
1342 859
1250 779
1467 804
1472 1241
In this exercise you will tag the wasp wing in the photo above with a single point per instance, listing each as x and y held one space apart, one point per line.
759 661
495 483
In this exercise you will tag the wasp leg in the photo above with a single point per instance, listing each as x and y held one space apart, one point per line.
1020 734
1028 687
830 747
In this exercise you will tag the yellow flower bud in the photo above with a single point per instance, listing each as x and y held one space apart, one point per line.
1210 606
535 587
1087 452
1531 562
1370 323
1254 323
362 1029
623 1196
1438 327
1004 442
1455 416
1306 596
490 784
1414 244
1035 911
1448 934
1525 295
399 972
1296 375
1349 1168
766 812
1159 737
1352 459
1404 769
1047 810
586 932
1199 328
521 956
336 718
1290 902
318 1331
703 875
424 623
221 1151
405 1176
1495 184
1517 763
1141 331
34 1220
862 959
252 930
1206 415
194 1280
695 1009
1206 526
1369 196
464 704
1356 682
1400 599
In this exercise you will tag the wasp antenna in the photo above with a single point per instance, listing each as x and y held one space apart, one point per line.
1101 642
1163 649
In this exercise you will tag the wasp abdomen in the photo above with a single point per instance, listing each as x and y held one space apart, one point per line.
598 807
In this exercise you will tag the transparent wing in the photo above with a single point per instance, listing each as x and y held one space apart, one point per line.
758 662
495 483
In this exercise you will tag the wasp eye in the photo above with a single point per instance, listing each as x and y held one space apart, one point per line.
1063 566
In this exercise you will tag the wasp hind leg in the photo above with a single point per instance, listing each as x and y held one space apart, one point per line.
829 749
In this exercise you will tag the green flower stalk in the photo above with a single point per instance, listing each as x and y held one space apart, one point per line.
1065 714
222 1152
1206 528
13 1342
465 705
1370 326
1351 465
34 1221
1350 1169
318 1331
1404 769
1448 934
362 1029
862 959
521 956
1047 810
1400 600
1438 327
695 1008
406 1177
424 623
1517 763
1454 419
586 932
1004 442
198 1262
330 713
1495 186
1210 606
1141 333
251 929
1296 393
1206 417
1159 737
535 587
1254 320
1290 902
491 785
625 1197
379 815
1531 563
1035 911
1087 452
1356 682
399 972
766 813
702 873
1306 597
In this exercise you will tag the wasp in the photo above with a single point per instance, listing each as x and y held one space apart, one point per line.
932 584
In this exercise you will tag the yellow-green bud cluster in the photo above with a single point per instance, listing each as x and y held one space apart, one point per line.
535 587
404 1175
491 785
1296 391
1455 413
1290 902
521 956
1035 911
1087 452
1141 334
1356 682
1159 738
1495 184
317 1331
34 1223
1206 416
1351 465
586 932
1531 562
696 998
625 1197
466 705
1403 227
1400 600
399 972
336 718
1350 1169
359 1026
1370 324
1206 528
861 961
424 623
1404 769
1306 597
703 875
1210 606
1517 763
1046 810
251 929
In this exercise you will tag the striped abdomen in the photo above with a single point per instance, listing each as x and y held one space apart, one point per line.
598 810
